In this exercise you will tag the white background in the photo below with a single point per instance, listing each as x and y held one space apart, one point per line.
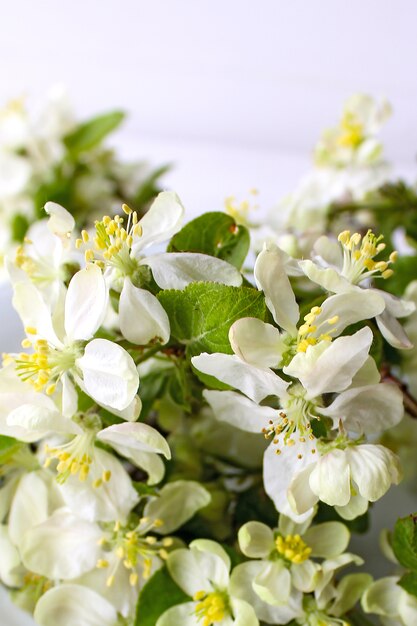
235 91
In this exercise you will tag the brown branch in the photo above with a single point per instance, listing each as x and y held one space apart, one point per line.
410 402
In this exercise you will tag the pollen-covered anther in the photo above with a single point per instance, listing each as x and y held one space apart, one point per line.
211 607
292 548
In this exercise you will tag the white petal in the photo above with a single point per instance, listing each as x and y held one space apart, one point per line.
29 506
86 303
137 436
34 312
109 373
10 563
210 547
273 583
243 613
383 597
161 222
327 540
68 605
130 413
241 587
255 382
149 462
183 614
62 547
256 342
279 471
142 317
194 570
357 505
271 277
113 501
176 270
38 421
176 503
408 608
373 468
305 575
349 591
300 495
328 278
235 409
350 308
329 251
370 409
393 332
397 307
60 220
330 478
256 540
69 398
335 366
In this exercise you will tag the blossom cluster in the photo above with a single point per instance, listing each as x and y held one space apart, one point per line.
187 443
47 154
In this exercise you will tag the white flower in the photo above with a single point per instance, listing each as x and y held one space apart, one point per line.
64 353
354 140
347 266
203 573
287 555
387 599
346 477
120 249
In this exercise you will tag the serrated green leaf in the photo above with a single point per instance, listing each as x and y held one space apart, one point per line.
201 314
404 541
91 133
409 583
158 595
216 234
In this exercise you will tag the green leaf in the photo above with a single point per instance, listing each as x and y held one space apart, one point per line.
409 583
201 314
158 595
91 133
404 541
19 225
216 234
8 447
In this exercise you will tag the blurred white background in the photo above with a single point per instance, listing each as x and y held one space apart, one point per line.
235 92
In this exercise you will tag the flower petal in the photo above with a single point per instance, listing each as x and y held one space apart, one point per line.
255 382
137 436
142 317
327 540
373 468
109 373
256 342
176 503
235 409
86 302
350 308
273 583
393 332
305 575
271 277
29 506
62 547
328 278
160 222
183 614
34 311
383 597
332 369
279 471
73 604
370 409
194 570
176 270
60 222
256 540
330 478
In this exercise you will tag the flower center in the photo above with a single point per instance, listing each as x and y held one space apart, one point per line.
113 242
292 548
294 418
358 256
211 607
351 131
40 270
133 547
309 333
44 367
